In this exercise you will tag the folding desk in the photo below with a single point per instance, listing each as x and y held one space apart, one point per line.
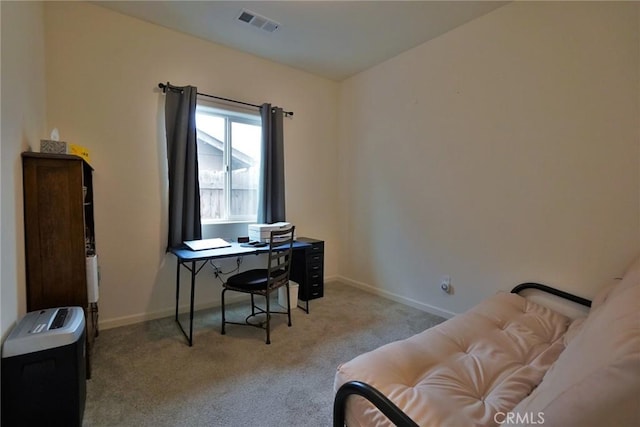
189 259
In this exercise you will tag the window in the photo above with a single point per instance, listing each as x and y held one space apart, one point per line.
229 156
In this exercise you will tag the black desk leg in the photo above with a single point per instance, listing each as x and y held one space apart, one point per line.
177 287
194 273
189 336
306 296
193 286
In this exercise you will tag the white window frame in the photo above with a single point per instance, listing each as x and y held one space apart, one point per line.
230 115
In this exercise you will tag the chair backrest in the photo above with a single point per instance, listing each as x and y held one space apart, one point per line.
279 265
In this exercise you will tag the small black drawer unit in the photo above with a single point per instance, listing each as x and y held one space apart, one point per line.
307 269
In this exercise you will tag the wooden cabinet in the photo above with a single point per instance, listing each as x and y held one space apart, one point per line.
307 268
59 234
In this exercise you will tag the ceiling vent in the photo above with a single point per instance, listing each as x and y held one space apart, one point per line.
258 21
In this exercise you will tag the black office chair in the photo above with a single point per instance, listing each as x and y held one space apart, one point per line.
264 281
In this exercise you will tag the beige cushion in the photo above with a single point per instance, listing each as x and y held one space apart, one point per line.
604 293
573 330
631 277
596 380
463 371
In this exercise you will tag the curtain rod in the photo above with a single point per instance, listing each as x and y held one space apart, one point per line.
164 88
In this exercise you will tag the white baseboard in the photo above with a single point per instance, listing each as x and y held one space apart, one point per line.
398 298
331 278
167 312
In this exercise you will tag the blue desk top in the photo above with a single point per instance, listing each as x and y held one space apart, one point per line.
185 254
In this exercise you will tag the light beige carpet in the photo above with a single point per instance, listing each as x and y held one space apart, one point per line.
147 375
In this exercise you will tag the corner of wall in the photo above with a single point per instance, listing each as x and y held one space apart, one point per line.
23 121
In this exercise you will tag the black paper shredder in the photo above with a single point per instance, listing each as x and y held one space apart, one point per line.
44 369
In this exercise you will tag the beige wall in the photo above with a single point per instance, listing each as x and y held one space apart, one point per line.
503 151
102 74
23 120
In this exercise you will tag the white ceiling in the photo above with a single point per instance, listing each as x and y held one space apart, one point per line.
334 39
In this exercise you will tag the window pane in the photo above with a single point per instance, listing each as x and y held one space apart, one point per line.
245 165
211 166
211 124
228 160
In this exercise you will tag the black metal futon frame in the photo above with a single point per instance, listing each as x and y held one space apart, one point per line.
386 406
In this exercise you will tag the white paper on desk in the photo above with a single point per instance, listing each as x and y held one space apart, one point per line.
200 245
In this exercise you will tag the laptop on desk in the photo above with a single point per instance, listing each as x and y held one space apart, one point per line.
201 245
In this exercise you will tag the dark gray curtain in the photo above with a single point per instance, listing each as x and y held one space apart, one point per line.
271 205
182 155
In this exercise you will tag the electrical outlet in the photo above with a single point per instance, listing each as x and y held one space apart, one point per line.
445 284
